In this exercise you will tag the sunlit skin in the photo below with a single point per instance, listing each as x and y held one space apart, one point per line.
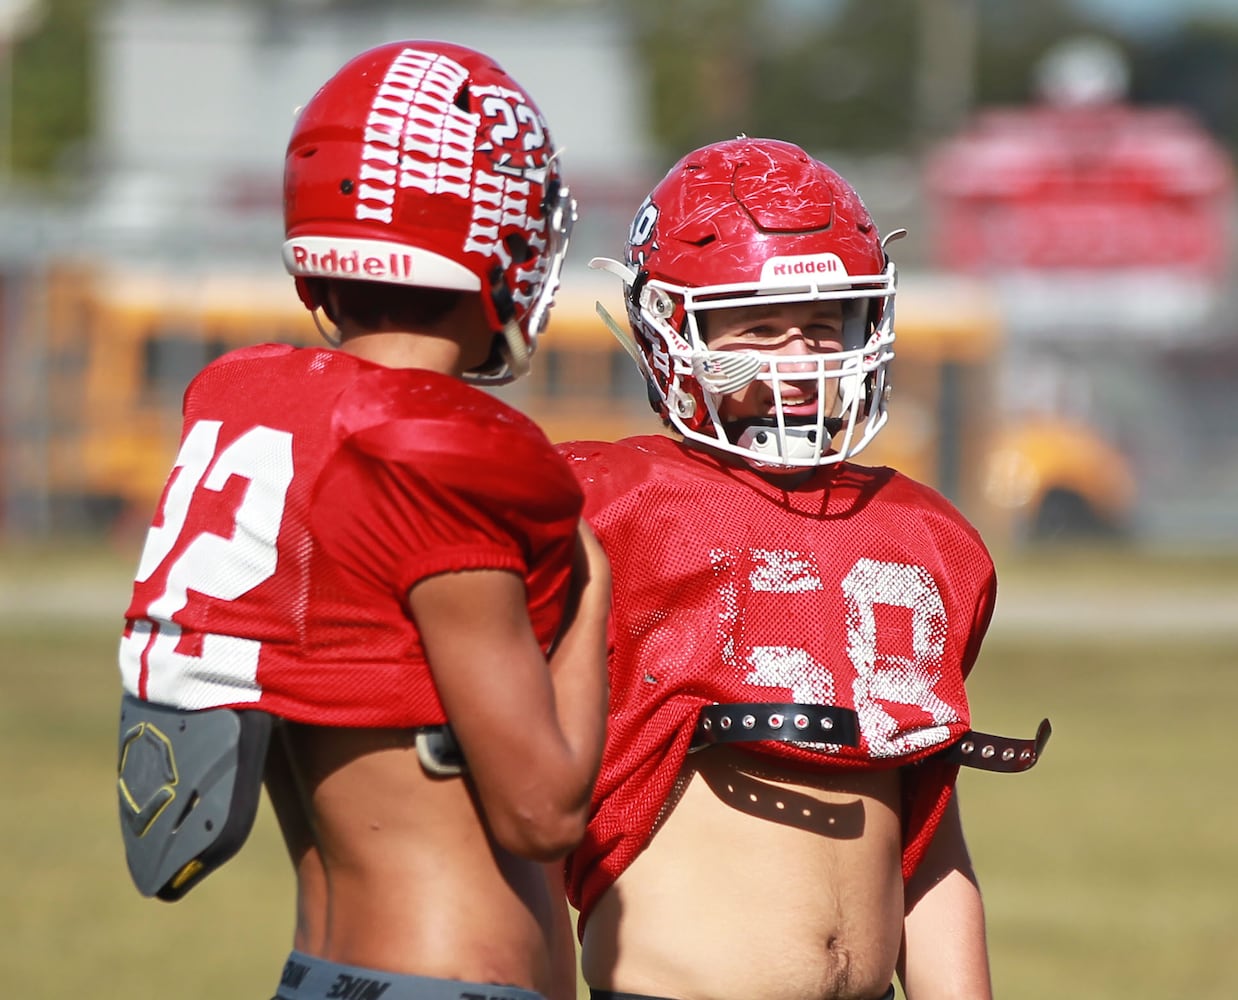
764 879
789 329
460 878
759 859
451 348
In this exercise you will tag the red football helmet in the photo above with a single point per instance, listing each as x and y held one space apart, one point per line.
759 220
424 163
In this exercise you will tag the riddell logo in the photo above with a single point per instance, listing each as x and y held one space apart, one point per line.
391 267
803 266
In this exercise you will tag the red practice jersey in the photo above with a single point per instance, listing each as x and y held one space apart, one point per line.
860 589
311 491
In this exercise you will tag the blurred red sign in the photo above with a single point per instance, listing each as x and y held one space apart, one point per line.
1085 188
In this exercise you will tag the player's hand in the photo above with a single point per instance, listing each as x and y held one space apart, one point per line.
589 591
591 563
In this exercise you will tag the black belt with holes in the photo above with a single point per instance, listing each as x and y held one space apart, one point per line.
789 722
744 722
998 753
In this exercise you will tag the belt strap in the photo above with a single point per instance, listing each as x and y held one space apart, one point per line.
793 722
998 753
785 722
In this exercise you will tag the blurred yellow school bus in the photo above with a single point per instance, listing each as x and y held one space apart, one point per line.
122 345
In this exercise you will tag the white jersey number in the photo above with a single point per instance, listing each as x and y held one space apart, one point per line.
879 679
224 669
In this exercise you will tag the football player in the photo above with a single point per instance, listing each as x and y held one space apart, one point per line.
369 580
775 815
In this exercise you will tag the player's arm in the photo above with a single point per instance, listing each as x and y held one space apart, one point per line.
945 952
531 731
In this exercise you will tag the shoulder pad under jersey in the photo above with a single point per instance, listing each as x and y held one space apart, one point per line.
451 432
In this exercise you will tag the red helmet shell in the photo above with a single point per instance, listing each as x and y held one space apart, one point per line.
424 163
723 210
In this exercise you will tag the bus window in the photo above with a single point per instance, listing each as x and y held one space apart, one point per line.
171 356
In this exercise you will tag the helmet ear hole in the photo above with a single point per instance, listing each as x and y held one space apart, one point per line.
518 247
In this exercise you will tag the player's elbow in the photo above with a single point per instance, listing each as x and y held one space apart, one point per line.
548 833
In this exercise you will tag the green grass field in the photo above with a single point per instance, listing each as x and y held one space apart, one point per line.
1109 871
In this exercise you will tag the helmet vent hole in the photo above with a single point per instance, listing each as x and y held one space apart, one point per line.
518 247
346 186
305 154
462 99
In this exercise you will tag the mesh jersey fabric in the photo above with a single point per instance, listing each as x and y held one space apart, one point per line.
311 491
859 588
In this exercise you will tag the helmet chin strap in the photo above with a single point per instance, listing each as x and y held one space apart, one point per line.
333 339
514 358
515 349
852 385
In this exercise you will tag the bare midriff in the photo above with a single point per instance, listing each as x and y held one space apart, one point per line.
402 877
762 881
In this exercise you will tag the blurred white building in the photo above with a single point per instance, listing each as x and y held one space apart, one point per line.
196 102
